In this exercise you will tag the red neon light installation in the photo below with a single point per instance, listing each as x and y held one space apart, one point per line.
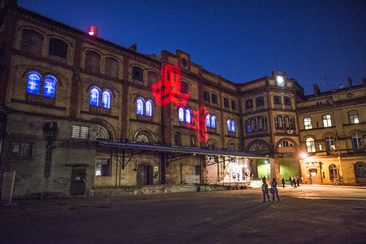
92 30
168 89
199 123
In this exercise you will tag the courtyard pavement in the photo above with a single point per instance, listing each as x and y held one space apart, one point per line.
308 214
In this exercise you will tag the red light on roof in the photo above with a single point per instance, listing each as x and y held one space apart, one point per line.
92 30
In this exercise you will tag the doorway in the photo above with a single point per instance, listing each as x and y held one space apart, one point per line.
314 176
78 181
144 175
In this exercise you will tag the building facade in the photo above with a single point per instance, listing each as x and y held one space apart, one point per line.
78 112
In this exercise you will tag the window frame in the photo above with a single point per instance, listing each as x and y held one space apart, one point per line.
310 145
327 120
307 125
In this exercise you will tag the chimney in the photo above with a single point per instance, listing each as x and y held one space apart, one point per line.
349 82
316 89
133 47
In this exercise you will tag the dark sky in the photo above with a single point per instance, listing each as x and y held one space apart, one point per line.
313 41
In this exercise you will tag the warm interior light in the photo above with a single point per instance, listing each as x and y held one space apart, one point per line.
303 155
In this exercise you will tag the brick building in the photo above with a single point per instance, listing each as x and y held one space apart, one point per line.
78 112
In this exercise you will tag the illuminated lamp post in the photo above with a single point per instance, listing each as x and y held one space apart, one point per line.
303 156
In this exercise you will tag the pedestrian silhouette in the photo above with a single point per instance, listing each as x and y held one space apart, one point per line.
265 190
283 183
274 190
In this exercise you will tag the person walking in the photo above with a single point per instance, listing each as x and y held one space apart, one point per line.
283 183
274 190
265 190
291 181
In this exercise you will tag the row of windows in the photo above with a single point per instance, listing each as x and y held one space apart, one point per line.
259 102
327 120
357 143
284 122
256 124
32 42
99 97
144 107
214 100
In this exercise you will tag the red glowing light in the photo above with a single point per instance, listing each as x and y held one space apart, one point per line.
92 30
199 123
168 89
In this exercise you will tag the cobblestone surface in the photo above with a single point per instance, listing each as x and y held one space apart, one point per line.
309 214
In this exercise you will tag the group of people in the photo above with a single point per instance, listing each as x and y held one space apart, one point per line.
295 181
273 190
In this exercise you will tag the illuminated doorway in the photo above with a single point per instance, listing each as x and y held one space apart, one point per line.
314 176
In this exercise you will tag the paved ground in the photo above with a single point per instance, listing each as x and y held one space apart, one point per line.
309 214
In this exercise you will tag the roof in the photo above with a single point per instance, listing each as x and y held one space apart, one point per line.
179 149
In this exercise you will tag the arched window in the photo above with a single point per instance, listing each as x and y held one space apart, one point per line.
140 106
213 121
208 121
231 127
285 143
333 172
329 143
57 48
49 86
188 115
353 117
360 170
106 99
94 96
228 123
92 62
33 82
32 42
181 115
310 144
357 141
249 104
149 108
137 73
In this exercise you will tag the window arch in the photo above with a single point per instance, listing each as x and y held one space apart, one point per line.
33 82
259 146
49 86
310 144
92 62
256 124
357 140
249 104
333 172
353 117
330 143
285 143
32 42
149 108
360 170
210 121
94 96
140 104
327 120
106 99
181 114
185 115
102 133
57 48
231 125
137 73
188 114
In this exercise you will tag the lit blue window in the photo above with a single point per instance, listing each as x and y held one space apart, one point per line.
140 106
233 129
208 121
213 121
106 99
94 96
181 115
228 123
33 82
49 86
188 116
149 108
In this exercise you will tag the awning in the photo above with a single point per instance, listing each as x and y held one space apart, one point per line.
179 149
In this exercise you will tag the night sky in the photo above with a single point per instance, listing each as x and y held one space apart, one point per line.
321 41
